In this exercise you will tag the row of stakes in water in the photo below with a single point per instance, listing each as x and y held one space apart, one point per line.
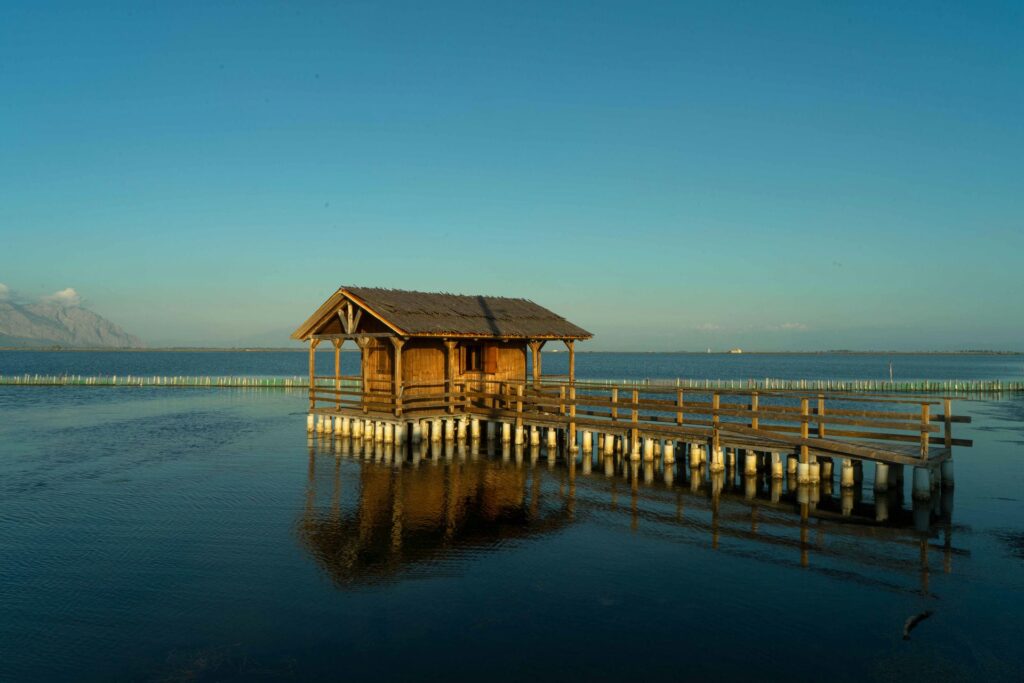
926 478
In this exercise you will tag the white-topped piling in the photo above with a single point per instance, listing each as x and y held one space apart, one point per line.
882 476
474 427
310 422
648 449
750 464
717 460
846 479
668 453
777 472
922 483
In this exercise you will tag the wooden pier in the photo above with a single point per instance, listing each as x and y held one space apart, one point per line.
440 366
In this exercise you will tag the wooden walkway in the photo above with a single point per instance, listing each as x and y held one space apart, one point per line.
897 431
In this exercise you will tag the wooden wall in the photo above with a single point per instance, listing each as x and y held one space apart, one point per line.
424 361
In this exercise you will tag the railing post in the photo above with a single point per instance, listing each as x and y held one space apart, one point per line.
924 430
615 401
754 420
572 418
948 407
561 400
805 417
679 406
519 409
715 403
821 413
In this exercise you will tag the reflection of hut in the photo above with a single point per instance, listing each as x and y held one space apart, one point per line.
408 517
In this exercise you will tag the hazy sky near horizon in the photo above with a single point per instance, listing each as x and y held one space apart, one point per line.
671 176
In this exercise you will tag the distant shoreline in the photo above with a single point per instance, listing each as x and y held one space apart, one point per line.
291 349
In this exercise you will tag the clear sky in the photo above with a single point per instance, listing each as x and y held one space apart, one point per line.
670 176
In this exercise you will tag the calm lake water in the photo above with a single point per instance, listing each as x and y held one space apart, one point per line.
194 534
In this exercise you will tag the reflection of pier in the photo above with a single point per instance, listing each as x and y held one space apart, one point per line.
376 513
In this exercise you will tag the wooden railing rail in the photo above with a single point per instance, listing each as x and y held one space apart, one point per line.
782 416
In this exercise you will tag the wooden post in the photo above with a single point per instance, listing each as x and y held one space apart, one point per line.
615 401
561 400
449 382
754 421
571 345
715 403
679 406
805 412
572 417
948 408
313 343
635 418
821 419
536 347
396 386
337 373
924 431
519 409
364 366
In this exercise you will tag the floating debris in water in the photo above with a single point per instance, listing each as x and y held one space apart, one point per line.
914 621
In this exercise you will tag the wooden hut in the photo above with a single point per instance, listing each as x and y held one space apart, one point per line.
418 349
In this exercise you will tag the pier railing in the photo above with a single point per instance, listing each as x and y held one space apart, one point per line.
906 430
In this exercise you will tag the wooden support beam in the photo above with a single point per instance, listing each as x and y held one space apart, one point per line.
364 366
449 381
924 431
948 408
313 343
805 416
715 420
337 368
754 423
396 385
535 347
571 345
821 414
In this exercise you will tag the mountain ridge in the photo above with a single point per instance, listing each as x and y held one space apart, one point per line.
47 324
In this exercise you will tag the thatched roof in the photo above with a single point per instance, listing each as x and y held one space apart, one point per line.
437 314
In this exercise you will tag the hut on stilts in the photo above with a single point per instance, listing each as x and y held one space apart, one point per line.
438 366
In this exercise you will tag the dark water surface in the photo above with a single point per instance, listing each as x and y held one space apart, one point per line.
193 534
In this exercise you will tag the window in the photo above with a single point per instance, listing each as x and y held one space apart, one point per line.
472 357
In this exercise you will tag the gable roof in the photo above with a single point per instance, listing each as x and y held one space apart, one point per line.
429 314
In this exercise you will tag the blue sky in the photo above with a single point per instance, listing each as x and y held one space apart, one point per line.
670 176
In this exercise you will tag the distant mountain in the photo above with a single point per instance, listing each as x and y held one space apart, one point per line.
46 324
